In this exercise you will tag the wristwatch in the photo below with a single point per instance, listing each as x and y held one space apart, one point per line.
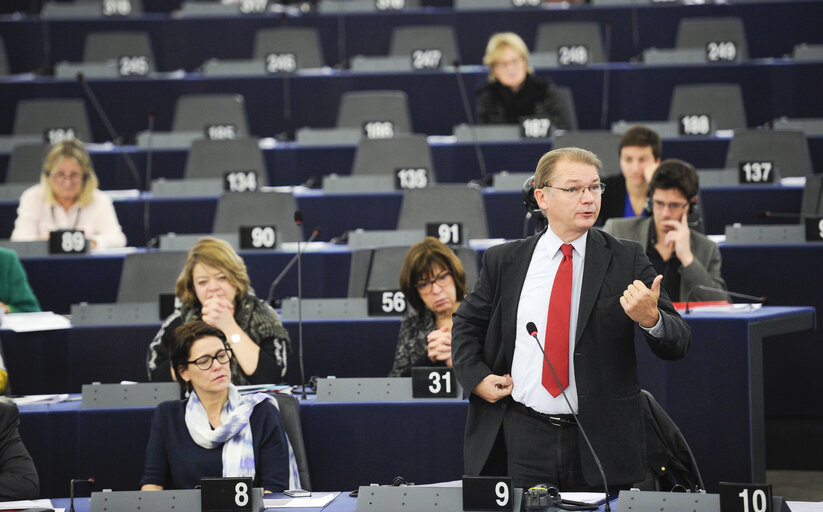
234 338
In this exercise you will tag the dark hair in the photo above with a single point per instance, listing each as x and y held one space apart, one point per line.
180 348
420 260
642 137
676 174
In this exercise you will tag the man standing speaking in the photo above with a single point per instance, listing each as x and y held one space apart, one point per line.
584 290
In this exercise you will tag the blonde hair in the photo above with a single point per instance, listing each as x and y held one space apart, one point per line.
220 255
71 148
497 43
544 174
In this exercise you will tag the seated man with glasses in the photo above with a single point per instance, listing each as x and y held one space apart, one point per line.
685 257
434 282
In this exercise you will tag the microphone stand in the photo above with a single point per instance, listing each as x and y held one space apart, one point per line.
761 300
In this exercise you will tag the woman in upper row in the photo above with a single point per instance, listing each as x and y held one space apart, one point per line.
67 197
513 92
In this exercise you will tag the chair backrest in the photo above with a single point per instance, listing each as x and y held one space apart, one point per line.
104 46
41 116
699 32
567 101
258 209
807 52
379 269
302 42
551 36
289 407
385 156
603 144
212 158
406 40
812 202
444 203
146 275
357 108
788 150
26 163
197 112
723 103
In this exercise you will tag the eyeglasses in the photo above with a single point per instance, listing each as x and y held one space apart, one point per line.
576 191
67 177
426 286
659 205
206 362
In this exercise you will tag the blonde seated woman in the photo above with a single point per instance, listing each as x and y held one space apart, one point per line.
67 197
513 92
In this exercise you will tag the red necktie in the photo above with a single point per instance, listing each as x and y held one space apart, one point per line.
557 325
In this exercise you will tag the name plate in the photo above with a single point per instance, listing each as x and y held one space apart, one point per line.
756 172
386 302
68 241
694 124
535 127
116 8
411 177
433 382
481 493
745 497
389 5
258 237
572 55
721 51
253 6
378 129
449 233
226 494
133 65
281 63
240 181
426 59
59 134
814 229
221 132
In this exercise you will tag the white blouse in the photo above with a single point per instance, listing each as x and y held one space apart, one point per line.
36 218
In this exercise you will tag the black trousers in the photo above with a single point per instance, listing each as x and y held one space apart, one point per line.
541 452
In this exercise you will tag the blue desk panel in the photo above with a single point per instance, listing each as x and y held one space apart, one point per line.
632 28
715 395
634 92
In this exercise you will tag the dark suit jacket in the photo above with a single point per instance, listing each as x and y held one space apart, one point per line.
705 269
18 476
483 337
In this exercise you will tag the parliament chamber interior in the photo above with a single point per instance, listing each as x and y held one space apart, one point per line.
226 118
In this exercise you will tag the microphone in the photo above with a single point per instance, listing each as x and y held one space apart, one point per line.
109 128
761 300
464 98
146 225
532 330
90 481
607 47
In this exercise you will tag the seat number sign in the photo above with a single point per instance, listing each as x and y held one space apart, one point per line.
756 172
386 302
434 382
226 494
240 181
745 497
449 233
67 241
694 124
258 237
487 493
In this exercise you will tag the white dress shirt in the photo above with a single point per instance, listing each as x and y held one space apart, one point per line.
36 218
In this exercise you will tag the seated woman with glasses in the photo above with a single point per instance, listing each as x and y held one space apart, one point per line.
513 92
434 282
67 197
214 432
214 287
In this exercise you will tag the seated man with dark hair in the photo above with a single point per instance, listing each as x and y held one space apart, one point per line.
18 476
684 256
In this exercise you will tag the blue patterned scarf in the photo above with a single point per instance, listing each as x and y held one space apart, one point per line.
234 434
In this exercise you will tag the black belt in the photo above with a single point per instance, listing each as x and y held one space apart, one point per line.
558 420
